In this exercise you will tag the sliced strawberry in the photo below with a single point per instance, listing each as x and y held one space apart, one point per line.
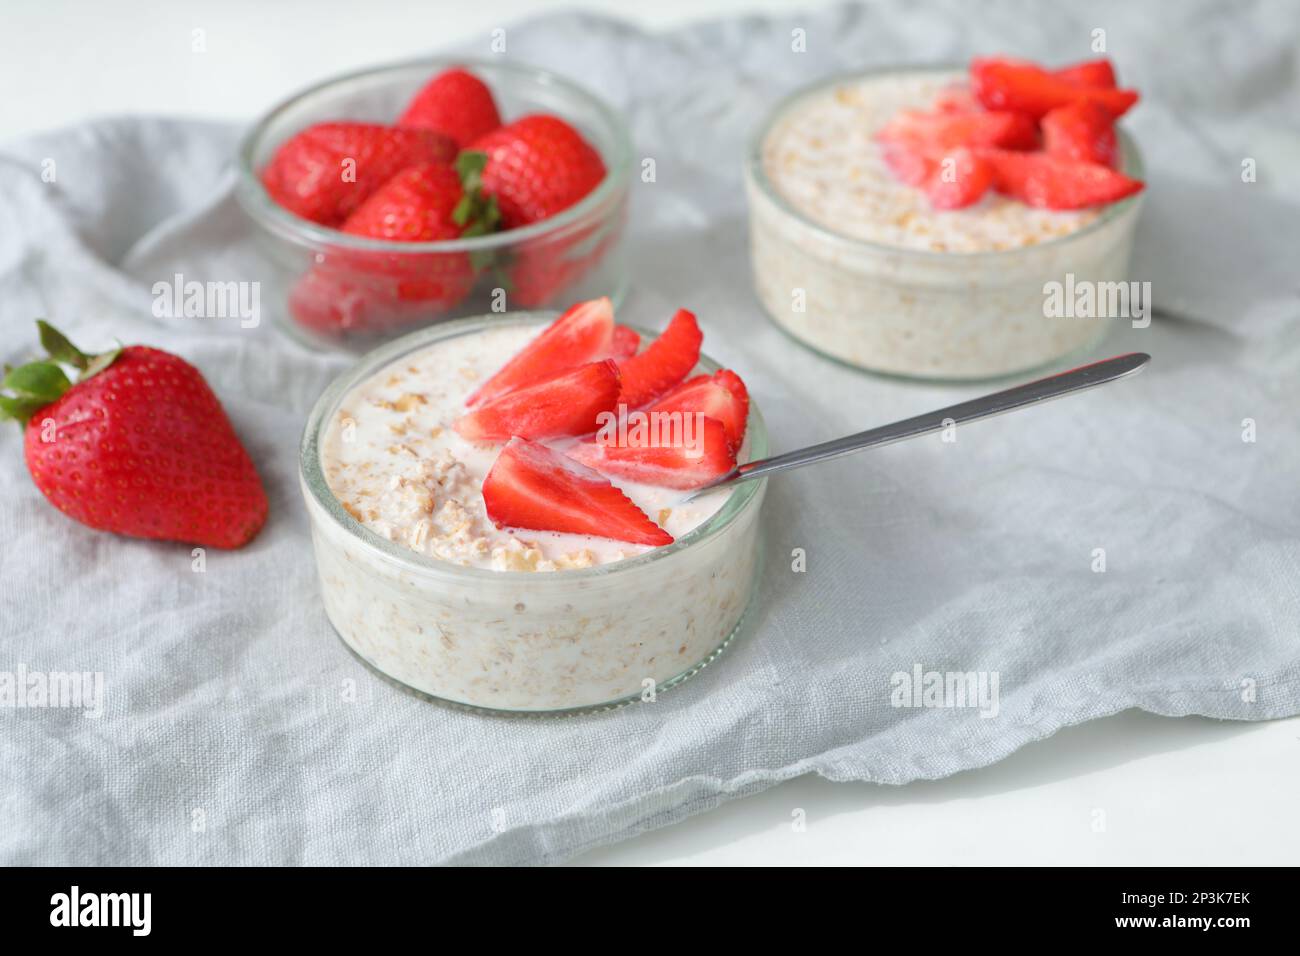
530 486
733 383
1083 131
1092 74
584 333
721 396
926 150
1022 87
1052 183
960 179
911 166
951 180
695 460
626 343
568 403
664 363
943 131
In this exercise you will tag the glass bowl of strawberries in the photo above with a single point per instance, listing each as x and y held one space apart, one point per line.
951 223
400 196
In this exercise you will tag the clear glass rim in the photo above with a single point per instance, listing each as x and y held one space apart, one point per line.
258 203
312 475
755 173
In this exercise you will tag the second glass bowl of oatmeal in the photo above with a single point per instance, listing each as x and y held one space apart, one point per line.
860 268
425 591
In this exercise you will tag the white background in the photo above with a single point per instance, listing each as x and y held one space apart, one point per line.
1131 789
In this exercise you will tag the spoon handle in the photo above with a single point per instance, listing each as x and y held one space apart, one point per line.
1031 393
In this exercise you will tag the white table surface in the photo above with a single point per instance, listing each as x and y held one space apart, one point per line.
1133 789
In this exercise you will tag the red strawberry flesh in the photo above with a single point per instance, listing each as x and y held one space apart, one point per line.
568 403
1094 74
1021 87
702 453
1052 183
584 333
951 180
721 396
734 384
664 363
959 179
532 487
945 131
1083 131
626 343
910 166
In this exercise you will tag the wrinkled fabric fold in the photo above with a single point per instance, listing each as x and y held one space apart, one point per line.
236 728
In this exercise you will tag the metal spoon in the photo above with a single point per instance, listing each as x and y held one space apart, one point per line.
1031 393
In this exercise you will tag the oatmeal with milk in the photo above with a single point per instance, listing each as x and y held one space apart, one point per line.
395 461
825 161
907 221
487 447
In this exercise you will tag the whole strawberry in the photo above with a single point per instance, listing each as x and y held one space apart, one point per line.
369 291
326 171
537 166
138 445
428 203
455 103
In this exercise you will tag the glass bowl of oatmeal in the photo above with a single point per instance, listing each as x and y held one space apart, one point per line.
426 591
858 266
336 291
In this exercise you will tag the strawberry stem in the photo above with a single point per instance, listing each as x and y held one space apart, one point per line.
477 213
40 382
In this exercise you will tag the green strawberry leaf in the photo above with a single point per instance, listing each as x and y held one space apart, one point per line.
463 211
469 166
60 349
43 381
19 409
476 213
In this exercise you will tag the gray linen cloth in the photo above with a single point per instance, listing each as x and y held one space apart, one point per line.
235 727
